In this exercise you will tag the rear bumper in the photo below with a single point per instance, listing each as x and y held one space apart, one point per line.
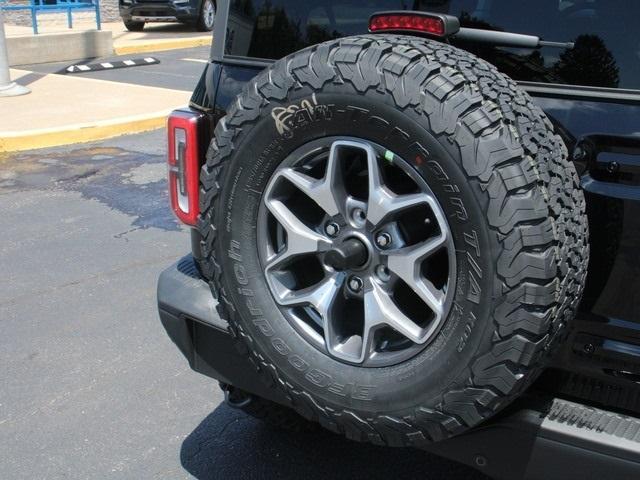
536 438
188 313
158 12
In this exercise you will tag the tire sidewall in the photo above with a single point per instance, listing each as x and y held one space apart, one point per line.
443 365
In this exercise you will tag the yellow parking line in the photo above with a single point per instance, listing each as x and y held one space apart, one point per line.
161 45
78 133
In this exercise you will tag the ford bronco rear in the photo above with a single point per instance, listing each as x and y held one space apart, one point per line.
416 225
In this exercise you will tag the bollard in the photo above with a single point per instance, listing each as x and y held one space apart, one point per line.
7 87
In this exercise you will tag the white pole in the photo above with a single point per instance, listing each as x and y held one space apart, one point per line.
7 87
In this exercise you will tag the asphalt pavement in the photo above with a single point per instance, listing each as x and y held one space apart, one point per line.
178 69
91 386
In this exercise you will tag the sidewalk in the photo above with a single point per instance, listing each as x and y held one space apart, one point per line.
63 109
154 38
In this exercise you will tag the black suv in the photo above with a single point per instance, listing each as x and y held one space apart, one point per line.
416 224
135 13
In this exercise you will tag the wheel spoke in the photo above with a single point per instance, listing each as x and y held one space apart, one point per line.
319 191
382 202
301 239
329 192
381 309
406 263
320 296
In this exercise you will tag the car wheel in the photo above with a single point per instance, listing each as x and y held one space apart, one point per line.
133 26
207 16
395 235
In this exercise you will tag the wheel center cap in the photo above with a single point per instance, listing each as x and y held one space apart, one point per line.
352 253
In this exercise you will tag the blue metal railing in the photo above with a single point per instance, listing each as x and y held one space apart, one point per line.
53 6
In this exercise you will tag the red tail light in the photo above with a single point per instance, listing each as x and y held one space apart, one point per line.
185 131
427 23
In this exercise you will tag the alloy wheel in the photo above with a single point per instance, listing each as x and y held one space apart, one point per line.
356 251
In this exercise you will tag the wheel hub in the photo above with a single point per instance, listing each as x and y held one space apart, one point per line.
356 251
352 253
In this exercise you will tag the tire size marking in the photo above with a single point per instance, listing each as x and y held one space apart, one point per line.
261 167
466 283
232 196
475 272
468 329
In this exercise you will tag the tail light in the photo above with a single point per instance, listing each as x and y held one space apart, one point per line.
187 140
434 24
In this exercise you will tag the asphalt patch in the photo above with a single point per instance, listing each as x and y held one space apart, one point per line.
131 182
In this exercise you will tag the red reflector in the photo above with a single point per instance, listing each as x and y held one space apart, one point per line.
183 130
412 22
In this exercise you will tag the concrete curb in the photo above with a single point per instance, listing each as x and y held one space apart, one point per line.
161 45
59 47
81 132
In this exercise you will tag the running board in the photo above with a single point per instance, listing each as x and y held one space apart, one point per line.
552 439
536 438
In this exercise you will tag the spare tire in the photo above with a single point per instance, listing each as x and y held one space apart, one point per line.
395 235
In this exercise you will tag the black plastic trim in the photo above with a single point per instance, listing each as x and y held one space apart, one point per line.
219 31
182 291
579 92
187 311
246 61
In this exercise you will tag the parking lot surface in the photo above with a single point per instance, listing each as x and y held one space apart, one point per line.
178 69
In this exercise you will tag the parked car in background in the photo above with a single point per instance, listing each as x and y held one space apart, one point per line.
135 13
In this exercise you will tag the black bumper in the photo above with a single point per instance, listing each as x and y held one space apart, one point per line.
188 314
158 12
538 437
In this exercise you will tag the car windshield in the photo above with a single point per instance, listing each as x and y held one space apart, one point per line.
606 51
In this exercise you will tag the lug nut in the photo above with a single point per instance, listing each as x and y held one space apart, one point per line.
383 240
332 229
355 284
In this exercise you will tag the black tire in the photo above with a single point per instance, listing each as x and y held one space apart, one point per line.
502 178
205 23
133 26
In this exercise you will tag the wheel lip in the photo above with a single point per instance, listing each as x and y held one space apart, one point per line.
383 359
